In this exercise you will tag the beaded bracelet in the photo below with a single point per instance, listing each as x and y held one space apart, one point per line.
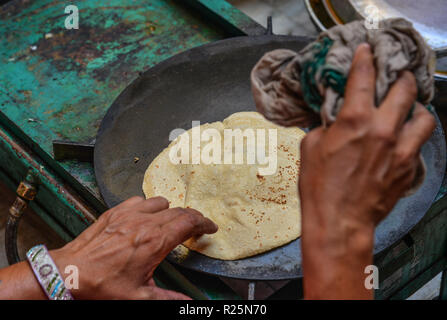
47 273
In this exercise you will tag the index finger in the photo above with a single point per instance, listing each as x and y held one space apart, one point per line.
153 205
187 223
360 88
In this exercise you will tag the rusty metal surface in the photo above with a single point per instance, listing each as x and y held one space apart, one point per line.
81 214
56 84
208 84
26 191
69 150
66 213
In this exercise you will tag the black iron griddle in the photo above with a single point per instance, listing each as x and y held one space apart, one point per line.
209 83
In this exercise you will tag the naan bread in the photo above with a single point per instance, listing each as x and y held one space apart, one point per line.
255 213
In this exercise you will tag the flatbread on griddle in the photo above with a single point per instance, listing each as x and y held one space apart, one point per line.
255 213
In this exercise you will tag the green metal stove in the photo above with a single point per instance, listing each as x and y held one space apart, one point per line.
57 84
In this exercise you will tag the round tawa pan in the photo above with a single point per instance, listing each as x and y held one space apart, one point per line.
208 84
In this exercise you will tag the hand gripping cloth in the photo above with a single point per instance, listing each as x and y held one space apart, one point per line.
306 89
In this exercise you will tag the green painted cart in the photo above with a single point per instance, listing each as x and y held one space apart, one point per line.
57 83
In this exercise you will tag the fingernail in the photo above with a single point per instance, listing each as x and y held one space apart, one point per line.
365 45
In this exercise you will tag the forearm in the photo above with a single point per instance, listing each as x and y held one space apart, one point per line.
335 254
19 283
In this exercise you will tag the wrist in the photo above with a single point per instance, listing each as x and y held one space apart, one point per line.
338 227
345 238
69 268
336 249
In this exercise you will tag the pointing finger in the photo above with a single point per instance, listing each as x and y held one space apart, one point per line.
186 225
153 205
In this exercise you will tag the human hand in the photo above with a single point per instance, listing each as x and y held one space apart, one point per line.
363 163
117 255
351 176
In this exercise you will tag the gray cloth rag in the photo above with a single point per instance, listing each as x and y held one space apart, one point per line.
282 98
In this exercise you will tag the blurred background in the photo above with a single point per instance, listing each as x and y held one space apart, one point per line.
290 17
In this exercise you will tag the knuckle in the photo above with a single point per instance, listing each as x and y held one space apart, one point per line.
145 239
404 157
133 199
155 236
409 78
409 82
424 118
179 211
108 213
354 117
413 90
429 119
192 220
305 143
193 212
123 213
159 199
311 139
111 214
385 134
119 214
